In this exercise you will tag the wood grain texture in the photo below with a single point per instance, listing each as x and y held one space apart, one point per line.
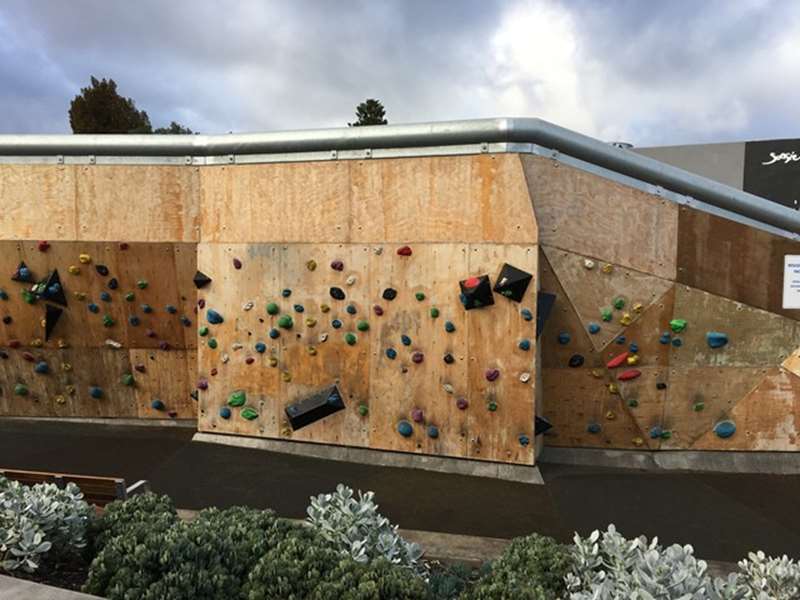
588 215
733 260
39 201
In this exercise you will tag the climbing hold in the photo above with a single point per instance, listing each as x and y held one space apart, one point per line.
21 389
637 307
564 338
606 314
324 308
310 321
3 295
60 399
405 429
127 379
433 431
273 308
84 259
286 292
274 333
14 343
249 360
656 432
634 347
7 319
665 338
237 398
476 292
337 293
147 309
633 403
725 429
237 264
286 377
677 325
626 319
575 361
715 339
80 295
102 270
417 357
698 406
524 344
336 323
201 280
613 388
350 338
362 326
638 442
142 284
617 361
337 265
73 270
28 297
212 343
28 356
299 308
130 296
633 359
202 331
620 340
525 377
163 345
108 321
677 342
350 280
389 294
619 303
523 439
43 246
610 415
449 359
607 268
462 404
225 412
363 409
420 296
351 309
140 368
405 340
134 320
449 327
377 310
588 264
391 353
404 251
247 306
323 337
593 328
105 296
629 374
273 361
311 265
150 333
261 347
96 392
447 387
492 374
186 321
594 428
41 367
93 308
512 282
157 404
661 385
312 351
22 274
417 415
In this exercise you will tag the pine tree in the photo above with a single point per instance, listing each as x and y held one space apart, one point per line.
370 112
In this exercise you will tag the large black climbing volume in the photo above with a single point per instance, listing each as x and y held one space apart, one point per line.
201 280
512 282
51 316
315 407
476 292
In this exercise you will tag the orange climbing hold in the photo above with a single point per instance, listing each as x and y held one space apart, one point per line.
629 374
618 360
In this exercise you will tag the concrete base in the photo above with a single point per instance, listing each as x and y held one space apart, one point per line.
19 589
458 466
770 463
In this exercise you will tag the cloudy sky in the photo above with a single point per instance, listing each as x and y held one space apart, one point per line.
643 71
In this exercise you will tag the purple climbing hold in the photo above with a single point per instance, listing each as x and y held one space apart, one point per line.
337 265
163 345
417 415
202 384
377 310
492 374
237 264
462 403
417 357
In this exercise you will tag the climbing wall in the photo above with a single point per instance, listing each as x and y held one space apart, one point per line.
390 286
667 330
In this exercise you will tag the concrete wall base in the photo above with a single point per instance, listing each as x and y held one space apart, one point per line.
456 466
772 463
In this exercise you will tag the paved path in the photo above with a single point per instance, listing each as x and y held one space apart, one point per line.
722 516
12 588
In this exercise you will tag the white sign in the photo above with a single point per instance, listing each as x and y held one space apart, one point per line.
791 281
782 157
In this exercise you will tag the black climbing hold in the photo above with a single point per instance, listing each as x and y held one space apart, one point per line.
102 270
22 274
7 319
476 292
661 385
51 316
50 289
512 282
336 323
541 425
337 293
544 306
405 339
134 320
170 309
449 359
575 361
286 293
317 406
201 280
147 309
113 283
389 294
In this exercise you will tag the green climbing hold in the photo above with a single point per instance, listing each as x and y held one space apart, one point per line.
28 297
633 403
363 410
491 406
212 343
362 326
350 338
249 413
419 296
21 389
285 322
202 331
605 314
698 406
127 379
108 321
237 398
141 284
434 312
130 296
677 325
619 303
273 308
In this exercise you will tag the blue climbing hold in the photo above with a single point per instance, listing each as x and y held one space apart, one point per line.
274 333
105 296
186 321
96 392
433 431
405 429
93 308
575 361
524 440
677 342
24 273
146 309
54 289
594 328
351 309
3 295
594 428
134 320
620 340
113 283
634 347
299 308
449 327
725 429
526 314
225 412
214 317
524 344
665 338
716 339
336 323
261 347
391 353
405 339
170 309
564 338
41 367
286 293
157 404
656 432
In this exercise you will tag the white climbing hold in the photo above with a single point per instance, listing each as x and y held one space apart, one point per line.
525 377
113 344
247 306
448 388
350 280
588 263
378 251
323 337
225 358
237 346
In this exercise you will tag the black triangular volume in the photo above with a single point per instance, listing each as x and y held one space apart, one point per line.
541 425
315 407
50 289
51 316
23 274
512 282
201 280
476 292
544 306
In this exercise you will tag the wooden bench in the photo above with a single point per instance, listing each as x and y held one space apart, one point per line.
96 490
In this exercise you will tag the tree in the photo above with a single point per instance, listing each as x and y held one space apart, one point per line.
370 112
174 128
100 109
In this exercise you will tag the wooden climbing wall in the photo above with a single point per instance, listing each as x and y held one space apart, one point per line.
633 273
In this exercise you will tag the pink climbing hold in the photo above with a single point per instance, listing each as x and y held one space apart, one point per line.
237 264
44 246
472 282
417 415
618 360
404 251
462 403
378 310
249 360
629 374
492 374
140 368
337 265
417 357
202 384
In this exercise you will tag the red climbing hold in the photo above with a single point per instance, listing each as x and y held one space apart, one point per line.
123 245
28 356
404 251
249 360
378 310
618 360
44 246
237 264
201 303
140 368
214 372
14 343
337 265
629 374
472 282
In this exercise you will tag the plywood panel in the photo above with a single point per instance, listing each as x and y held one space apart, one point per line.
169 376
588 215
646 334
39 202
733 260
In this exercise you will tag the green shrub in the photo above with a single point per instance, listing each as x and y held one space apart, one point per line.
448 582
119 517
531 568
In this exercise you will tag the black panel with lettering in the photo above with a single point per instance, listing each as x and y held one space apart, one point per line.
772 170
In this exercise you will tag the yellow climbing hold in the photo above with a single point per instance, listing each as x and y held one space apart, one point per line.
311 265
60 399
286 431
638 442
626 319
607 268
613 388
74 270
273 362
610 415
310 321
85 259
324 308
312 351
70 390
79 295
633 359
36 343
63 344
286 376
66 367
43 323
598 373
637 308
